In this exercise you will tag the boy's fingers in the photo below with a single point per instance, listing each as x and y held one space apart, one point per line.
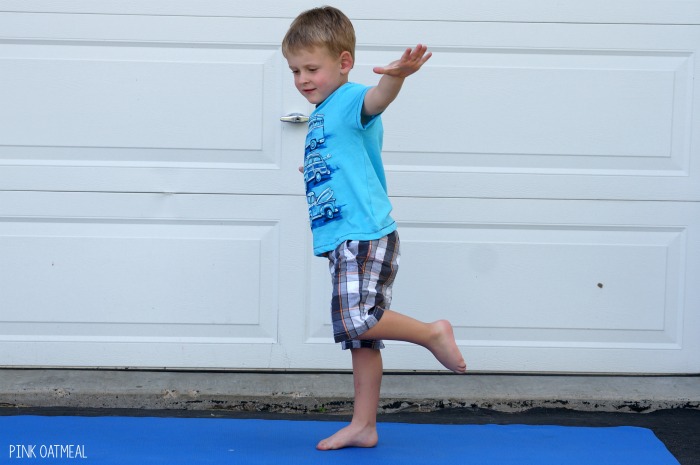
411 58
421 51
420 54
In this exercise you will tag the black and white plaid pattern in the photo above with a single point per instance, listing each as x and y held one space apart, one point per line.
363 273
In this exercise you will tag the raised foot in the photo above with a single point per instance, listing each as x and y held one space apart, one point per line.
444 347
350 436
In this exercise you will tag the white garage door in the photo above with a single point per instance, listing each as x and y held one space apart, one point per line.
544 167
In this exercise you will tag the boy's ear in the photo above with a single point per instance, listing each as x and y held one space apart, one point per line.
346 62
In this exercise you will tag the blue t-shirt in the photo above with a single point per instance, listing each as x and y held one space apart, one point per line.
345 183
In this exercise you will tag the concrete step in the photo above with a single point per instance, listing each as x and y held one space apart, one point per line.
303 392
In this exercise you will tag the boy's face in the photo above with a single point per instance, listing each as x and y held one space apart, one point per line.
317 74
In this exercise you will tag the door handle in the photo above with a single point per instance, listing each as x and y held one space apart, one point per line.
294 118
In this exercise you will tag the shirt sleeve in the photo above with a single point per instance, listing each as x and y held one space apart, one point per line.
357 100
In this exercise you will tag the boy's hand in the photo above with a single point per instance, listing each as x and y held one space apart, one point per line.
410 62
378 98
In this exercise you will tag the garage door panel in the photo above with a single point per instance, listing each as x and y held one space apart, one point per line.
605 120
554 288
594 11
204 108
145 104
558 280
615 116
542 277
129 271
136 98
318 328
187 275
138 28
605 108
125 283
579 275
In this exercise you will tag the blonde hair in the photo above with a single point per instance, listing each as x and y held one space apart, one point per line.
320 27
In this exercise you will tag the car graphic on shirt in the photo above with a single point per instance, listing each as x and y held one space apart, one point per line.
321 206
315 167
316 135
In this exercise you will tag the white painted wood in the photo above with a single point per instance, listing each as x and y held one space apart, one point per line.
543 166
559 11
526 281
166 280
137 105
570 111
619 120
92 279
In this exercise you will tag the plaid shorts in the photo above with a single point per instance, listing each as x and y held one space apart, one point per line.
363 273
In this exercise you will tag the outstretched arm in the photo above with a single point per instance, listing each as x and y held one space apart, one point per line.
378 98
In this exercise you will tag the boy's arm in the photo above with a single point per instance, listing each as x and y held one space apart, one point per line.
378 98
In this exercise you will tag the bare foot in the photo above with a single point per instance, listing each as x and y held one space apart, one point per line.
350 436
444 347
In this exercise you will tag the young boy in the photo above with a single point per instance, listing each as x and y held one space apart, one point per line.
349 208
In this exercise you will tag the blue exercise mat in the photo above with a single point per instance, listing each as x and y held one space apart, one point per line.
147 440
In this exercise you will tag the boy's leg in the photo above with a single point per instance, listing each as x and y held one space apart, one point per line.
438 337
362 430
